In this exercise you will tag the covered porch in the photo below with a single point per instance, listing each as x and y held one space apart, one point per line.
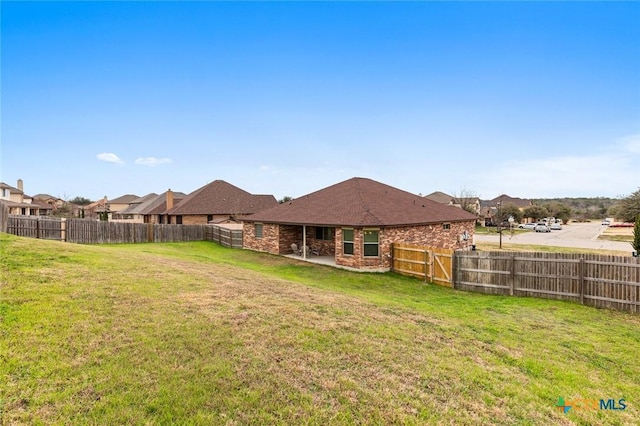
319 241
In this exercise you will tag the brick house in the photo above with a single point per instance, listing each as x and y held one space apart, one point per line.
215 202
149 209
118 204
489 208
356 222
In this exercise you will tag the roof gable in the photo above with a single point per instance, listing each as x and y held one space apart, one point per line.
362 202
440 197
149 204
505 200
220 197
10 188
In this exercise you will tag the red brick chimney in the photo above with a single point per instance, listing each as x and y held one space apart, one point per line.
169 199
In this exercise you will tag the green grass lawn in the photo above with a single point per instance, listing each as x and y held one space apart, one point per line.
507 246
193 333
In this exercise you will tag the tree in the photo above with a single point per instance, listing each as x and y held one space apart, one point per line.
467 199
559 210
636 236
536 212
285 199
80 201
63 211
630 207
509 210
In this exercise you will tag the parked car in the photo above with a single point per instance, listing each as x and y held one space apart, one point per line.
606 222
541 227
527 226
555 226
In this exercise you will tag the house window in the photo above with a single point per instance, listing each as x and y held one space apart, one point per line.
179 220
371 242
446 226
258 230
209 218
324 233
347 241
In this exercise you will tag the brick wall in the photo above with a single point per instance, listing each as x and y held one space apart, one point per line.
278 239
198 219
432 235
427 235
269 241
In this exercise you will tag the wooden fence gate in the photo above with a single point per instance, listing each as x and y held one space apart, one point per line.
429 263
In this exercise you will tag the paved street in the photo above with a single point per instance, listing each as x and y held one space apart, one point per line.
582 235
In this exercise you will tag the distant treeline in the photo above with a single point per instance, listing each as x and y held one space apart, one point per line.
583 208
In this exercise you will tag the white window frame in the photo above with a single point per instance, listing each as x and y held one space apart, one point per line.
352 242
365 243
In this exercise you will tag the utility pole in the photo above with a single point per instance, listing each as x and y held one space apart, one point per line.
500 223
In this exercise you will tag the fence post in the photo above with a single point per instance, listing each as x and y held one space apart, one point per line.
454 268
512 275
63 229
427 270
581 280
37 227
393 245
150 236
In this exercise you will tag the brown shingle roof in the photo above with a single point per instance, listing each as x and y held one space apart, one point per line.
506 200
440 197
361 202
151 204
220 197
125 199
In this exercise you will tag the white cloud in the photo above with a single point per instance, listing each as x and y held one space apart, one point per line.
153 161
109 157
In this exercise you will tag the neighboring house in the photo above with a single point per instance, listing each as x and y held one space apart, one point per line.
98 210
52 201
489 208
505 200
149 209
48 203
118 204
356 222
18 202
133 212
472 203
215 202
441 197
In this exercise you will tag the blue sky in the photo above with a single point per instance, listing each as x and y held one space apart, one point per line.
533 99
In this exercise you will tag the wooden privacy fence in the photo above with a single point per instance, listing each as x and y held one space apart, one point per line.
84 231
224 236
4 217
47 228
590 279
97 232
429 263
